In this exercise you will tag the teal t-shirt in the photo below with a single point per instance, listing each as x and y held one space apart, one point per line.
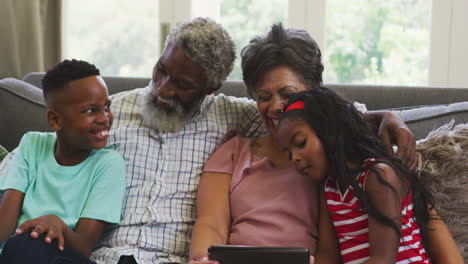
92 189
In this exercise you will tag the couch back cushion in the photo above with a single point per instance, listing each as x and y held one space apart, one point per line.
374 96
22 109
119 84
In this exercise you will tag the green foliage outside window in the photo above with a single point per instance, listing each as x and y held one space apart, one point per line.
377 42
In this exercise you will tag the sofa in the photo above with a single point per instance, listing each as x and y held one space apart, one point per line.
422 108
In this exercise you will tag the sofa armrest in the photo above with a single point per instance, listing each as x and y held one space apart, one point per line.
23 109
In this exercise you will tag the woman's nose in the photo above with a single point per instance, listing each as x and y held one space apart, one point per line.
278 105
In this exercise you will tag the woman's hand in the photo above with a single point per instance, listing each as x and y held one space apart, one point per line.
50 224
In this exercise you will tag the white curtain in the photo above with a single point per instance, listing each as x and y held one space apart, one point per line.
29 36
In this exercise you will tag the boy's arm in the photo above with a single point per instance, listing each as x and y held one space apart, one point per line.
391 129
85 236
328 250
10 208
82 240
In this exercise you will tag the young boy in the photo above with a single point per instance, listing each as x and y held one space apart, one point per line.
63 188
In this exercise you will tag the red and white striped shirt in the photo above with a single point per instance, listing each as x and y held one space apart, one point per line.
351 225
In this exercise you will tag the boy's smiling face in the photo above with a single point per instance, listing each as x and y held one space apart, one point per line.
83 115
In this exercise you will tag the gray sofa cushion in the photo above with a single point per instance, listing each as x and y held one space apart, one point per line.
422 120
119 84
114 84
374 96
387 97
23 110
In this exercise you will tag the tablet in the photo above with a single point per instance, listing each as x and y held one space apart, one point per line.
258 255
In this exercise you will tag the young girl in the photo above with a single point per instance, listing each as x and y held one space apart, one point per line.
372 208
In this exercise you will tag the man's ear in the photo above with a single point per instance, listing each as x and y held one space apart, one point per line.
54 120
212 90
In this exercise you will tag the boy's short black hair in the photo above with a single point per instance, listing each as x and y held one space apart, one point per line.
61 74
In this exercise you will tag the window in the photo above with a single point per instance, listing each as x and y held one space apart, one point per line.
244 19
119 37
377 42
399 42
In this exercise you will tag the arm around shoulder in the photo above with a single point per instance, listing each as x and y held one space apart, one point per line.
245 117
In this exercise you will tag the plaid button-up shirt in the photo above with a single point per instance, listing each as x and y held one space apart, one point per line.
163 172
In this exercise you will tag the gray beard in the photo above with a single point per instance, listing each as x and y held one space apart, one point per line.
161 119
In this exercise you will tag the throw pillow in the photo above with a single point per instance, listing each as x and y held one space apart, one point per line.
443 168
3 153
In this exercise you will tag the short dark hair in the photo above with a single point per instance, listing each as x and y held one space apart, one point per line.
294 48
61 74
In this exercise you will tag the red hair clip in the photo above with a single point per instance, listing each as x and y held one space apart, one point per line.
295 105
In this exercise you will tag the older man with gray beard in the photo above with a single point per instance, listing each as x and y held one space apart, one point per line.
166 132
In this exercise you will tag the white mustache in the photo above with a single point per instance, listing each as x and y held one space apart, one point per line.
169 101
172 102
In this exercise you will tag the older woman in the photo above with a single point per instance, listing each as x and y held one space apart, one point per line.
249 193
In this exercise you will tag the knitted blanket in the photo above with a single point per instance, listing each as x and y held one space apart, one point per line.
443 168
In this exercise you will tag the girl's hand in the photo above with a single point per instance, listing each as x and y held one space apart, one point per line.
50 224
203 260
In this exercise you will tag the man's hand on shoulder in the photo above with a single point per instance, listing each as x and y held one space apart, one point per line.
392 130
